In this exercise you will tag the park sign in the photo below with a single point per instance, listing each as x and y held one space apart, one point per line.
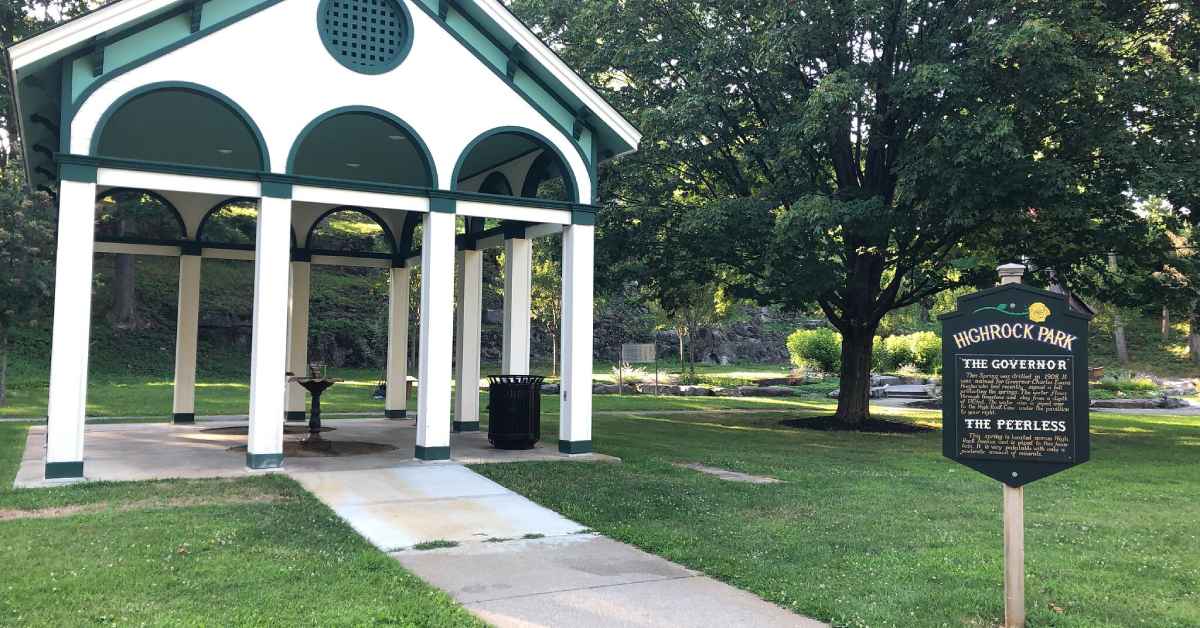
1015 392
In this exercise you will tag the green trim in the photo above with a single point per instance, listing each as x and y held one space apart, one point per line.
294 415
132 65
401 55
500 73
333 184
575 447
582 216
77 172
466 426
264 461
276 189
443 205
264 157
430 166
395 414
64 470
432 453
183 418
573 192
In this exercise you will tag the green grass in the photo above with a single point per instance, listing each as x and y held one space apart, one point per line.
146 396
880 530
254 551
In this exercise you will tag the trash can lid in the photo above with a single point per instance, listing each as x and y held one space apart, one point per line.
516 379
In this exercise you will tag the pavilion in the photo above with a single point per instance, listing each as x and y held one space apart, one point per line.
236 129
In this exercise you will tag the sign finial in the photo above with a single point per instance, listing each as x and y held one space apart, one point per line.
1011 273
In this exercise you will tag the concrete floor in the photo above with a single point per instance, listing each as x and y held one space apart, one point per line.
149 451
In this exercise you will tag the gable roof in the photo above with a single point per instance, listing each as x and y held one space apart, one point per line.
512 47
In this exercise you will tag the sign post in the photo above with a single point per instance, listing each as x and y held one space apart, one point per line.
1015 405
639 354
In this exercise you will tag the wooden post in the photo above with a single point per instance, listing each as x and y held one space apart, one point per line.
1014 518
1014 557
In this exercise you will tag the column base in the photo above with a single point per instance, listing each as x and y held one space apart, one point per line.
432 453
294 415
64 470
575 447
264 461
183 418
396 414
466 426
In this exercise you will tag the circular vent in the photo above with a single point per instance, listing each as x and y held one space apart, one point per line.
368 36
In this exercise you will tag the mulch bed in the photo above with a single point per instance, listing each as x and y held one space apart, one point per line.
870 426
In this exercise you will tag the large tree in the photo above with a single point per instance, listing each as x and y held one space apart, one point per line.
862 156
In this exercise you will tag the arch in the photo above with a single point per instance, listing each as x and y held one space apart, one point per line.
496 183
406 132
569 175
540 171
260 161
389 239
231 234
181 233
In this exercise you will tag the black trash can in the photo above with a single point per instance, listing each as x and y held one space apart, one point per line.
515 411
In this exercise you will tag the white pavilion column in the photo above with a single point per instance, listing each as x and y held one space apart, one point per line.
467 348
187 328
437 336
518 283
297 361
268 361
396 404
575 422
72 325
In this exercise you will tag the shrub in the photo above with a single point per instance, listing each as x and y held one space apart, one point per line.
1127 382
922 351
817 348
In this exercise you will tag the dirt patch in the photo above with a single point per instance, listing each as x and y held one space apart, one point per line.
243 430
143 504
337 448
870 426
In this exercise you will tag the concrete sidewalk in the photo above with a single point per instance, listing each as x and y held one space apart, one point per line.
519 564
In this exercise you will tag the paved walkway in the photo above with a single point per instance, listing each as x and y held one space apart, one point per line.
513 562
521 565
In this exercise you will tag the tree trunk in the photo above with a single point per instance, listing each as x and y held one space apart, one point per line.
1119 338
1194 334
1166 324
679 332
3 366
855 395
554 354
123 310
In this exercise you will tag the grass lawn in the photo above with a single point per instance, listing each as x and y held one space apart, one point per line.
875 530
256 551
137 395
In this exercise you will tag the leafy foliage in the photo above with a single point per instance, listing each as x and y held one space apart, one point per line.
820 348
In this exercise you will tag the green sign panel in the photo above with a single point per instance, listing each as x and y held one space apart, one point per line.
1015 403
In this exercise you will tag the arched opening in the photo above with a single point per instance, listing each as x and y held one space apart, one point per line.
363 145
231 223
137 216
506 160
350 230
496 183
181 125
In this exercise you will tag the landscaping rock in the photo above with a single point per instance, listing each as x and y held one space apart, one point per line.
765 391
550 389
695 391
613 389
1157 403
663 389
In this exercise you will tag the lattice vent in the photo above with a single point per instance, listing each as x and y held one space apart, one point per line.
364 35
